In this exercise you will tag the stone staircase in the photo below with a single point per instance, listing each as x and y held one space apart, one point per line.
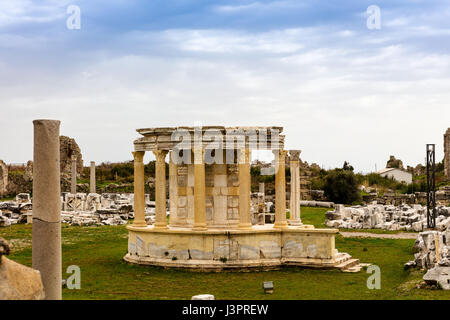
346 263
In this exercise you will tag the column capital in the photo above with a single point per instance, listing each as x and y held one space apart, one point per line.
138 156
160 154
295 155
199 154
243 156
74 158
280 153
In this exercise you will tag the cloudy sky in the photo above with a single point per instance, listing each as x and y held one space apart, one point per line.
342 91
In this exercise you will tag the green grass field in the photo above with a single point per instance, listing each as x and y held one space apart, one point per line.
98 251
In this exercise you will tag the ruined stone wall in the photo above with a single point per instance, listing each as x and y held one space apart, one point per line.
447 154
68 148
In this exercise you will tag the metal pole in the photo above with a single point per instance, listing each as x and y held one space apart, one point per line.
431 186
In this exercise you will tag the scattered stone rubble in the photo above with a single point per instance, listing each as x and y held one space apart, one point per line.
386 217
79 209
433 254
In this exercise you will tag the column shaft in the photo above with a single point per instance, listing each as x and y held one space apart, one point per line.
93 187
139 190
46 233
295 193
73 185
245 220
280 190
199 190
160 189
173 191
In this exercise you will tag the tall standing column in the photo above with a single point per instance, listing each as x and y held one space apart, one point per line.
173 191
245 220
295 219
46 233
262 188
93 187
139 190
160 189
280 189
199 190
73 186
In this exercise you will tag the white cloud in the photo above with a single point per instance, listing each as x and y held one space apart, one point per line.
258 6
27 11
337 94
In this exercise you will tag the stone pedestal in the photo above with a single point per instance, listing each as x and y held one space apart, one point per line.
46 234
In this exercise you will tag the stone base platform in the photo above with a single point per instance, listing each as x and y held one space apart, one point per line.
262 248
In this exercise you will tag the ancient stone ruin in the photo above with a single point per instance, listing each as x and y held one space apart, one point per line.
69 149
394 163
433 254
79 209
210 205
386 217
18 282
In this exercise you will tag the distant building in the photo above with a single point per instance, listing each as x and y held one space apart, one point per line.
397 174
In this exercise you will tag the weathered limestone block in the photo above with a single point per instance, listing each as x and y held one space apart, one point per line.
203 297
293 249
270 250
438 275
247 252
155 251
18 282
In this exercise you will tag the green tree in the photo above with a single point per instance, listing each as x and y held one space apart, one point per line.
341 186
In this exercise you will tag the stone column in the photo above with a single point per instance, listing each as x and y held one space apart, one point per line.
139 190
245 220
199 190
73 186
46 233
93 187
447 153
295 188
280 189
173 190
160 189
262 188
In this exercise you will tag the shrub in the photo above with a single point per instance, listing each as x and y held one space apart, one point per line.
341 186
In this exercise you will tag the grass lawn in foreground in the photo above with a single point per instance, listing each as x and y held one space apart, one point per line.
98 251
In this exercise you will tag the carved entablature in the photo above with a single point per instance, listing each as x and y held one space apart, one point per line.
212 137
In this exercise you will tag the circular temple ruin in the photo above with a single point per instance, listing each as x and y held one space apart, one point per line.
211 224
